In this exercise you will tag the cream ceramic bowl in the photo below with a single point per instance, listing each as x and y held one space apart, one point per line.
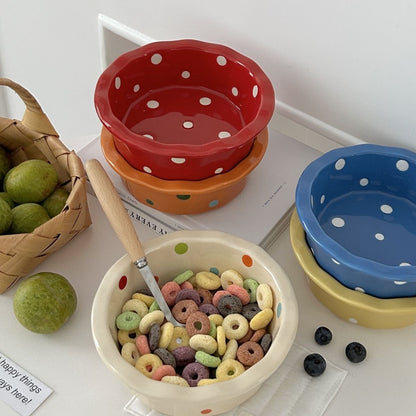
168 256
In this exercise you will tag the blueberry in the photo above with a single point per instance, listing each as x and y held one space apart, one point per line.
314 364
323 335
355 352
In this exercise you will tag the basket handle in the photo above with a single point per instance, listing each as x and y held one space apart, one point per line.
33 117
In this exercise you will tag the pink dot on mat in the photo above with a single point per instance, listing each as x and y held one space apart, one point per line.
122 283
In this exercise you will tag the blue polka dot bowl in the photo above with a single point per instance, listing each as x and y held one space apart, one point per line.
169 256
357 206
348 304
180 196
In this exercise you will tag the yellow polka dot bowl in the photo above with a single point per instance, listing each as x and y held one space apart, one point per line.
357 205
348 304
184 109
169 256
180 196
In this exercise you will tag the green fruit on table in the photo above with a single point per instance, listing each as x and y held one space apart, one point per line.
44 302
5 216
55 202
27 217
5 163
30 181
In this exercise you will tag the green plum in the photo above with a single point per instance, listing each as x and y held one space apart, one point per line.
27 217
8 199
5 216
44 302
30 181
55 202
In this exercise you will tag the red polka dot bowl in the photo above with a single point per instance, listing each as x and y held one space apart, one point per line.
179 196
168 256
184 109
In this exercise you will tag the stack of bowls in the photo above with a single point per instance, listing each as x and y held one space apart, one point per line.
354 233
181 117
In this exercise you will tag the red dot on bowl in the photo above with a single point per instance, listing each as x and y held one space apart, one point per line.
247 260
122 283
206 411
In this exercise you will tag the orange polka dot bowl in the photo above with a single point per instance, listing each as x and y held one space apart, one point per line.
184 109
179 196
348 304
169 256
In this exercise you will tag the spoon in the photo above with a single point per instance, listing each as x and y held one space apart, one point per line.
120 221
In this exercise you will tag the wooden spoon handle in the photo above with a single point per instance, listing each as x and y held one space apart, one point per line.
114 209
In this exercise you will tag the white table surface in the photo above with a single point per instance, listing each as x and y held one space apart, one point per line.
384 384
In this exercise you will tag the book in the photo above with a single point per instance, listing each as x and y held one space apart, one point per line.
258 214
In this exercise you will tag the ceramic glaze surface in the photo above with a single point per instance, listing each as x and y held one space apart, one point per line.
358 207
184 109
348 304
184 197
168 256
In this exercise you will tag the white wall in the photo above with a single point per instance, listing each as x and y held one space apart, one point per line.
345 66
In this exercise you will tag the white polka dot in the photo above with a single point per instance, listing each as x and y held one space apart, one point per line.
224 134
185 74
178 160
153 104
147 169
117 83
205 101
255 91
402 165
399 282
234 91
156 59
322 199
335 261
339 164
379 236
363 181
359 289
219 170
221 60
404 264
353 320
136 88
149 136
188 124
386 209
338 222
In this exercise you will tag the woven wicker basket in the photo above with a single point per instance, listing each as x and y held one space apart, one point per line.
35 138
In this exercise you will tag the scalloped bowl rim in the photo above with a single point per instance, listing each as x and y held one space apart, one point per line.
132 378
320 238
245 134
334 288
199 187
